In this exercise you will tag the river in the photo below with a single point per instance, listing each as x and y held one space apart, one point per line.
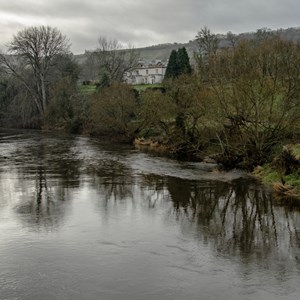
82 218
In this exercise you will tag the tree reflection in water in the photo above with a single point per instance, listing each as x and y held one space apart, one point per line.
237 218
113 178
47 169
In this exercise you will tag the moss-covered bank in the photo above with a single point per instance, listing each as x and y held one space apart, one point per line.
283 173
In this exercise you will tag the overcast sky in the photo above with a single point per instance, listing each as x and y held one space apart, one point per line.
144 22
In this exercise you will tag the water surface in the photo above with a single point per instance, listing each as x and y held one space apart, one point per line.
84 219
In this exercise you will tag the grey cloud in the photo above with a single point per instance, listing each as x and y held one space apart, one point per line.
146 22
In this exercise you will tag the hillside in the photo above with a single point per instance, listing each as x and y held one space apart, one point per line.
162 51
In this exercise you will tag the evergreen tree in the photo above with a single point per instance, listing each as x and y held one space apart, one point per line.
183 62
172 67
179 63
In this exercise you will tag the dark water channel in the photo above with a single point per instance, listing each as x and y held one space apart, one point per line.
84 219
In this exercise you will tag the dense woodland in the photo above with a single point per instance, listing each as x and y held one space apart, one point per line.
238 103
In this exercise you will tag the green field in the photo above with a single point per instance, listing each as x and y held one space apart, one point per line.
89 89
143 87
86 89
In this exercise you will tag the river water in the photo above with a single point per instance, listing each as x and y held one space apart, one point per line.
84 219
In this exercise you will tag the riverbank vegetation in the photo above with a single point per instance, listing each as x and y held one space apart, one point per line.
240 105
283 172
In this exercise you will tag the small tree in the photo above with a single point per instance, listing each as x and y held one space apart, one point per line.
113 111
105 81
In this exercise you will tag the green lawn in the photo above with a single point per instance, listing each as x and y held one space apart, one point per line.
86 89
89 89
143 87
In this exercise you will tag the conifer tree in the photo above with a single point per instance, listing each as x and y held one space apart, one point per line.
172 67
179 63
183 62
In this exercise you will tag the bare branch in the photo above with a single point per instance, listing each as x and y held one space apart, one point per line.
113 59
35 49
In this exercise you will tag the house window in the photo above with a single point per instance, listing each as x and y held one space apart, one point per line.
156 71
147 72
137 72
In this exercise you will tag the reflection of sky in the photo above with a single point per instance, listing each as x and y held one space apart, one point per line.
116 232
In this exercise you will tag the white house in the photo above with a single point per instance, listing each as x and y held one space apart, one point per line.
146 73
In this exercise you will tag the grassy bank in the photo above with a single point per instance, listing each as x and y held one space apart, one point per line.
283 173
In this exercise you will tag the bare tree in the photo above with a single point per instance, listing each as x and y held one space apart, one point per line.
207 48
232 39
113 59
207 41
35 50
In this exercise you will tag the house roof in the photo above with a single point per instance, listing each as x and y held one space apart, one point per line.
143 65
